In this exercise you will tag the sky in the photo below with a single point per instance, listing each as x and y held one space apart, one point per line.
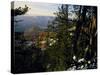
38 9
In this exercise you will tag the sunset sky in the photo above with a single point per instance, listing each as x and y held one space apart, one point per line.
38 9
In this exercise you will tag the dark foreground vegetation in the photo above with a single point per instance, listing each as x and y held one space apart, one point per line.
75 45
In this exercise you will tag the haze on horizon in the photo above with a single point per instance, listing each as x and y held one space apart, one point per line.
39 14
38 9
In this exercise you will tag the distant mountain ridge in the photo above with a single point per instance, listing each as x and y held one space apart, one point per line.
27 22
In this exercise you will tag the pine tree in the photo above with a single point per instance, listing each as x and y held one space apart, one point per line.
85 30
60 54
